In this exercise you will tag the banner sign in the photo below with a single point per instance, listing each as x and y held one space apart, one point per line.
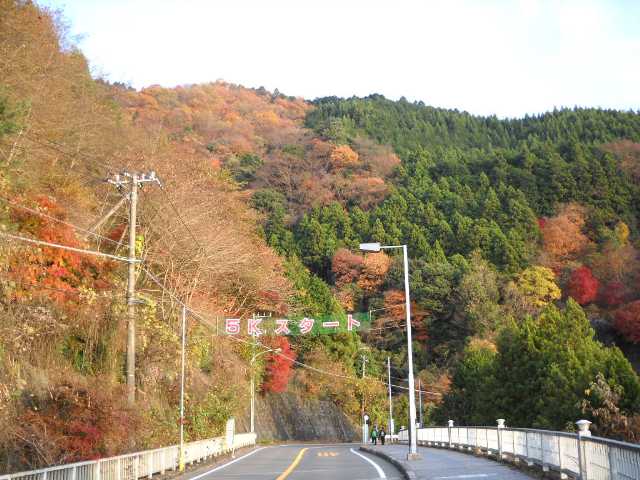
257 326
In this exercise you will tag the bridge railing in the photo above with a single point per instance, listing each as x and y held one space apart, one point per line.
577 455
134 466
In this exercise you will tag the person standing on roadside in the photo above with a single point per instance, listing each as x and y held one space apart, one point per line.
382 434
374 435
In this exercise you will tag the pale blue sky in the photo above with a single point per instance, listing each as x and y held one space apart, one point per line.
504 57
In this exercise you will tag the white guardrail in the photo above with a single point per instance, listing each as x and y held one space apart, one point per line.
577 455
133 466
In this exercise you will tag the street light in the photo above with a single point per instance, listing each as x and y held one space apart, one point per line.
376 247
253 388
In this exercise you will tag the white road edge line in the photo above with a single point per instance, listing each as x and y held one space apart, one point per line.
376 466
226 464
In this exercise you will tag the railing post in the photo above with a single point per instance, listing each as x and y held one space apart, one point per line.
526 444
613 471
96 473
563 476
74 473
119 469
150 464
500 427
583 432
450 425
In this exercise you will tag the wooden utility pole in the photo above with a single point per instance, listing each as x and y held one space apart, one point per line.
132 181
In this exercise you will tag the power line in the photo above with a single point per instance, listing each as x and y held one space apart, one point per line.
67 247
177 212
50 217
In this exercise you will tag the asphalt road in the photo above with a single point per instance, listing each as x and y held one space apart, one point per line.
297 462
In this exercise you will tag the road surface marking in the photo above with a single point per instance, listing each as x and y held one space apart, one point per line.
328 454
226 464
376 466
293 465
476 475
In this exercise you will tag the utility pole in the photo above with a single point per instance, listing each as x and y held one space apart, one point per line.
133 181
390 402
365 427
184 336
420 399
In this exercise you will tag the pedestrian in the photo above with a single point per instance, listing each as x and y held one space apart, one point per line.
382 435
374 435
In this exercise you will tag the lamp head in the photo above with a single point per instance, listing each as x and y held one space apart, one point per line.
370 247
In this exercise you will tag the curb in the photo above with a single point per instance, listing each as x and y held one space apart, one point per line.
404 467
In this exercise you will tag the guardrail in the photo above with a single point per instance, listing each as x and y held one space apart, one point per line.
577 455
137 465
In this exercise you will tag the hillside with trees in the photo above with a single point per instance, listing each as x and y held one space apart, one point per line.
522 233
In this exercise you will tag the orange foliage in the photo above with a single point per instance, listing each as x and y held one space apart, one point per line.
562 235
346 266
343 156
59 272
374 268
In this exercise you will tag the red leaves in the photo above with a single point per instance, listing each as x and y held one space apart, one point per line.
278 369
583 286
59 272
614 294
627 321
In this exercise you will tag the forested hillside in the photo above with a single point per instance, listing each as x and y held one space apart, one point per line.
522 235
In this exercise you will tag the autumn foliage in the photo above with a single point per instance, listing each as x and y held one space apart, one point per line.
583 286
614 294
627 321
562 235
279 366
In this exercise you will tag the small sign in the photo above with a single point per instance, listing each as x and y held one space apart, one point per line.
230 432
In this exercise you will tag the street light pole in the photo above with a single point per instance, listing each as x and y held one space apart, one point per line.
413 444
390 401
413 447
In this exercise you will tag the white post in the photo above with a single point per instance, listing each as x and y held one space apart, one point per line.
500 427
252 383
390 402
184 335
97 472
413 447
583 432
450 426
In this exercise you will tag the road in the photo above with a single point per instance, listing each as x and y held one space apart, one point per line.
297 462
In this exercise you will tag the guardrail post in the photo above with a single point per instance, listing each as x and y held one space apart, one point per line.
96 473
74 473
526 444
150 464
44 476
500 427
583 431
119 469
450 426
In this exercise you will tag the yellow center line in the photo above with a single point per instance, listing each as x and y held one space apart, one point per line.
293 465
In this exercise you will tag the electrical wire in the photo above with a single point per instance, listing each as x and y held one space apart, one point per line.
67 247
50 217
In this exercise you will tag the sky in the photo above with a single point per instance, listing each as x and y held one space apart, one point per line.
488 57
